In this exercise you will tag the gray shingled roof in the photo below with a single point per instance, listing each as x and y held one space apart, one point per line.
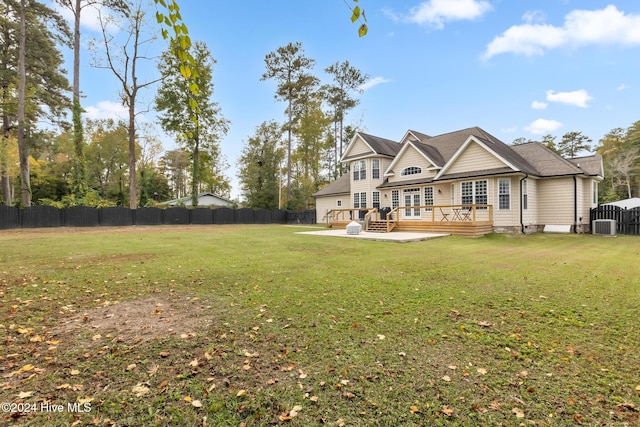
341 185
381 146
532 158
591 165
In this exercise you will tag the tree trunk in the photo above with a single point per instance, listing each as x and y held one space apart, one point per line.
133 186
25 185
79 173
4 162
196 166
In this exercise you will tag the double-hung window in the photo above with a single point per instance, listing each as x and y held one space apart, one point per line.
376 199
504 194
395 198
375 168
359 170
525 196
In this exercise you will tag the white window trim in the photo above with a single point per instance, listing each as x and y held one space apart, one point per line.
498 193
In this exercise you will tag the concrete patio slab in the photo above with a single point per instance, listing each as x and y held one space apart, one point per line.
394 236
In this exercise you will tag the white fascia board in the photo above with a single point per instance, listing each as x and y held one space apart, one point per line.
353 140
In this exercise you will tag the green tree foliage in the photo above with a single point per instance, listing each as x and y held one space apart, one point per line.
620 149
108 157
346 80
42 82
260 166
154 186
79 179
175 166
573 143
122 57
291 70
200 137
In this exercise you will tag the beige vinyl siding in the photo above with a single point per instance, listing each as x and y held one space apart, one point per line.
474 158
358 147
325 204
505 217
530 215
555 201
410 158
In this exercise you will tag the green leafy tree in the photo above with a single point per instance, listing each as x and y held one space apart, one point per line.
260 165
32 83
175 166
107 158
346 81
154 186
123 58
291 70
573 143
175 101
314 143
79 180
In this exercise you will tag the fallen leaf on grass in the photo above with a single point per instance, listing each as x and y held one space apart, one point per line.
25 394
446 378
75 372
140 390
519 413
131 367
447 411
241 393
288 415
485 324
314 399
196 404
452 367
482 371
26 368
414 409
381 337
348 395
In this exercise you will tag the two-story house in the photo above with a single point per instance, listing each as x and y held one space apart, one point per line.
461 179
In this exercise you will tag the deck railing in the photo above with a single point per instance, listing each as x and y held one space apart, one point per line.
431 213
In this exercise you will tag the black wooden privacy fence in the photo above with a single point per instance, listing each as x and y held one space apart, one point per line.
627 220
82 216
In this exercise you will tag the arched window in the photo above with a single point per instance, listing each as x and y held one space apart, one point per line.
413 170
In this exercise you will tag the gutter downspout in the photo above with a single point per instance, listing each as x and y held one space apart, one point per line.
575 205
526 175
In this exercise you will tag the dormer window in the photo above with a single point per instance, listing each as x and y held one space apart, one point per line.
413 170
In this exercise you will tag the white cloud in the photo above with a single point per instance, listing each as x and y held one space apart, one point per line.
373 82
435 13
107 110
623 87
608 26
543 126
537 105
579 98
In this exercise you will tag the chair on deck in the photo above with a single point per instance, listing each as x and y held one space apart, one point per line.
445 215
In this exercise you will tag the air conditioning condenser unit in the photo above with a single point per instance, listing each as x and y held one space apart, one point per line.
604 227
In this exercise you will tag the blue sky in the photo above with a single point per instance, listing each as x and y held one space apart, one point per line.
521 68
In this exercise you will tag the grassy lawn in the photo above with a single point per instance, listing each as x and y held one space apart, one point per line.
256 325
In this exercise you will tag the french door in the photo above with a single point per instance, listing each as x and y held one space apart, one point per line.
412 203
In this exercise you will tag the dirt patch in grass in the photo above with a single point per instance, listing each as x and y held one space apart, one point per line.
141 319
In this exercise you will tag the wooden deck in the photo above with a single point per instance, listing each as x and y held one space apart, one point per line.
461 220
